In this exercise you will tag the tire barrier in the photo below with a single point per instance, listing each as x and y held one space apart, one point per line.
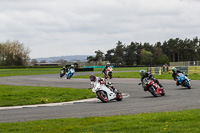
155 70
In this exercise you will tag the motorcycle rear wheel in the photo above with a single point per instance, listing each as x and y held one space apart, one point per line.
102 96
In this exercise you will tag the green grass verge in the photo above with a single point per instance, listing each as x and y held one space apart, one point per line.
38 71
28 71
165 75
28 95
187 121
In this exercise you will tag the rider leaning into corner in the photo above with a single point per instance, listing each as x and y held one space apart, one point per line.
175 73
104 70
148 75
71 67
100 80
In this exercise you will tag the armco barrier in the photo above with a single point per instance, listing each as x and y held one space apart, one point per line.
193 69
83 69
95 66
155 70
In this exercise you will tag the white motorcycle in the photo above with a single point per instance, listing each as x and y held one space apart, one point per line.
106 92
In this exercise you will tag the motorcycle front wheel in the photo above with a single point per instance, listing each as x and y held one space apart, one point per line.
187 84
153 92
119 96
163 92
102 96
110 75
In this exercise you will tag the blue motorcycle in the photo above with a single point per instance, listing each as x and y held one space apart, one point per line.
70 73
184 80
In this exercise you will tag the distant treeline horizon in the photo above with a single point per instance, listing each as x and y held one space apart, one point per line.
172 50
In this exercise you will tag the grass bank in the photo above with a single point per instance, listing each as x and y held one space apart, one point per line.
28 95
187 121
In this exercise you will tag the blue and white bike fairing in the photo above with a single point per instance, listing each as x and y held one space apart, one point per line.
184 80
70 73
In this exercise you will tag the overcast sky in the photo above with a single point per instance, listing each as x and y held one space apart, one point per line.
80 27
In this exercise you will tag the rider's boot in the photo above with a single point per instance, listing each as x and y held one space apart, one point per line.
177 83
113 88
161 87
145 89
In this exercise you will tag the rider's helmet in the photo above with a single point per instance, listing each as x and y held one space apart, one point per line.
174 69
92 77
108 64
142 72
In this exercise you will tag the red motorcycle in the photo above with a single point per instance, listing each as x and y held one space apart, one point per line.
152 87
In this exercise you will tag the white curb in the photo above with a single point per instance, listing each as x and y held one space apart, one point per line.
125 95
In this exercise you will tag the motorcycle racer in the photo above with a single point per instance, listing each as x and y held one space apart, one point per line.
71 67
175 73
148 75
96 80
104 70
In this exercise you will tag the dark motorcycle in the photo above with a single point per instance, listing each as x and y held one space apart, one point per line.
62 72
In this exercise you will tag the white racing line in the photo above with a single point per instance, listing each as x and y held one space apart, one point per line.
125 95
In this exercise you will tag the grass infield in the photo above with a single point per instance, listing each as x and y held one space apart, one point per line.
28 95
187 121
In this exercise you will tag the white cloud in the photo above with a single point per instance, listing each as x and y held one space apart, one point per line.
71 27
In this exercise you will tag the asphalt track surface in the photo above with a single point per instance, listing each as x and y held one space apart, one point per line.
176 98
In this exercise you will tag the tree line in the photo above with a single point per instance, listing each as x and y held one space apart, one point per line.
172 50
13 54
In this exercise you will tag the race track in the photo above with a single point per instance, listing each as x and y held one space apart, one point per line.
177 98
